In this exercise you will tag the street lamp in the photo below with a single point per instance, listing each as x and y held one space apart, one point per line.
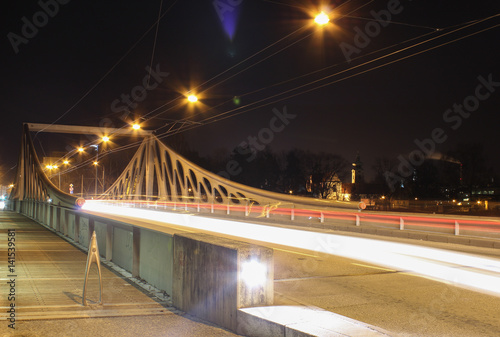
322 19
51 167
192 98
65 162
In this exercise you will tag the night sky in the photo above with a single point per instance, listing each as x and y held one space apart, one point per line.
249 59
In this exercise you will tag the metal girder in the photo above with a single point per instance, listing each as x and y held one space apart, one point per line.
156 172
31 182
85 130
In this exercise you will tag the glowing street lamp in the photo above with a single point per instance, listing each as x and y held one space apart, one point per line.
192 98
54 167
105 139
136 126
322 19
80 149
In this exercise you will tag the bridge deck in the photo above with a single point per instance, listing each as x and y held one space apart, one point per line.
48 276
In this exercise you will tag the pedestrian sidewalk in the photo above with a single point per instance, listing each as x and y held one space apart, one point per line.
42 285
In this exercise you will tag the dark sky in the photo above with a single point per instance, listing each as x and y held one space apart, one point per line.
88 54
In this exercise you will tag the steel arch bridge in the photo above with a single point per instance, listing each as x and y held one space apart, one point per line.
155 173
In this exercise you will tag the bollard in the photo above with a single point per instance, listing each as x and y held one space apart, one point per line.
357 220
457 228
227 208
292 213
322 218
401 224
246 208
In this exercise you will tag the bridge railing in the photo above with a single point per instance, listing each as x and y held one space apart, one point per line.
351 220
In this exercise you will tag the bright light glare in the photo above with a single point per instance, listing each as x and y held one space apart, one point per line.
192 98
105 139
481 273
66 162
322 19
2 204
136 126
80 149
253 273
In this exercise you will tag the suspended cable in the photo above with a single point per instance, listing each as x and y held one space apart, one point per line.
219 118
154 43
111 69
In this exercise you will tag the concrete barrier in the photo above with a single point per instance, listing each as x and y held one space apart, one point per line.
300 321
209 277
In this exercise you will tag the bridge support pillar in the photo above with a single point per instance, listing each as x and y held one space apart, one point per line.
77 228
44 214
50 221
65 223
58 219
109 242
136 252
213 277
91 227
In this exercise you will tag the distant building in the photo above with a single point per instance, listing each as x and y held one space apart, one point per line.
492 193
357 189
357 171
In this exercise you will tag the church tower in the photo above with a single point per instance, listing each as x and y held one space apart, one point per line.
357 171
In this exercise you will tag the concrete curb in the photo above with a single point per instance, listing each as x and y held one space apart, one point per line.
297 321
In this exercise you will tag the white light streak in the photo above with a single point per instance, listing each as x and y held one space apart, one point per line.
447 266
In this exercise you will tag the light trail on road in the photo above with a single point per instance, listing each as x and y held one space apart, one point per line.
460 269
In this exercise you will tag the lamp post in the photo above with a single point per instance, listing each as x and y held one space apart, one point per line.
96 162
50 168
66 163
104 139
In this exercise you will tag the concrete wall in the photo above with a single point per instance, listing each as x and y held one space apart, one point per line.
100 231
83 233
156 262
122 248
207 277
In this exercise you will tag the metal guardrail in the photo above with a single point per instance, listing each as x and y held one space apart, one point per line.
488 228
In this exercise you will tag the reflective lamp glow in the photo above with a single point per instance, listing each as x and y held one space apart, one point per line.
253 273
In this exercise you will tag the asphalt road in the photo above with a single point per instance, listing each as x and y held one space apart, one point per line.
396 300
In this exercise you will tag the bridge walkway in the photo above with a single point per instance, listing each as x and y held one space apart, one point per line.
44 286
